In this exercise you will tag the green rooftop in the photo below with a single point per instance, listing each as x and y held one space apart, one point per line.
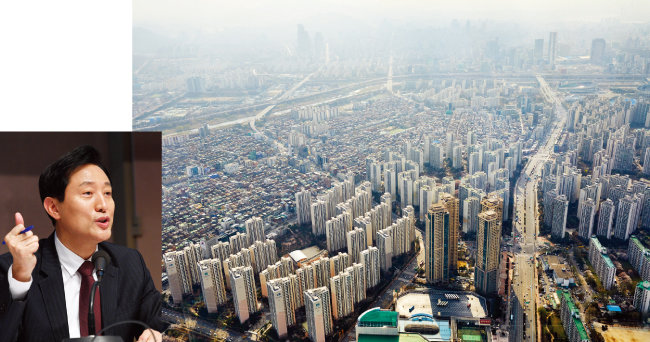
581 329
377 338
595 241
635 240
402 337
645 285
608 261
572 309
378 318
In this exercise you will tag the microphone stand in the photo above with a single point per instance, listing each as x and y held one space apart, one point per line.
91 310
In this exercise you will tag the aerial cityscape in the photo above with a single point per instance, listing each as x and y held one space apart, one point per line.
378 177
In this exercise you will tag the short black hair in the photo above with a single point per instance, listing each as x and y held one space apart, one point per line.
54 179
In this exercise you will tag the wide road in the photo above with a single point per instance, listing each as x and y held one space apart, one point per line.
523 300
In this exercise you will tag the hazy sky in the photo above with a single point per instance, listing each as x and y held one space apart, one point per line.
213 15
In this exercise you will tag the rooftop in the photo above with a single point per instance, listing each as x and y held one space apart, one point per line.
468 304
378 318
608 261
645 285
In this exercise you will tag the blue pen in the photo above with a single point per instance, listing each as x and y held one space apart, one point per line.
23 232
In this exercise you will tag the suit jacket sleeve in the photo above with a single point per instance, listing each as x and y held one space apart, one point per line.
150 301
11 311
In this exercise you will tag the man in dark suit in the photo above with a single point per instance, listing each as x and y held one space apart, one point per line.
42 282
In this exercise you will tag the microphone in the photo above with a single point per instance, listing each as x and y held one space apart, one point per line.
101 259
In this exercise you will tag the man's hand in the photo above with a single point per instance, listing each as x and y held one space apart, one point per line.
150 335
22 248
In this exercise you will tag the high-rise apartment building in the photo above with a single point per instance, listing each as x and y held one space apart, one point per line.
642 297
213 286
303 206
243 292
488 238
598 51
639 257
601 262
625 218
319 215
356 241
552 49
385 246
453 207
370 260
178 274
282 304
342 290
437 244
335 230
606 218
264 254
255 230
560 209
586 216
573 325
318 310
220 251
238 242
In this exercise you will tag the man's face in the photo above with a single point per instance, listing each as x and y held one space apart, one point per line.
86 213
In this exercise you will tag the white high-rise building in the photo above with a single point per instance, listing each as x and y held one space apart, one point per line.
319 216
385 246
370 260
240 259
280 269
178 274
238 241
471 209
264 254
473 163
220 251
255 230
342 289
602 263
318 310
552 49
606 218
339 263
303 206
435 156
282 304
322 272
356 241
335 230
193 254
642 297
405 188
627 210
587 215
243 292
306 279
426 199
560 207
358 272
390 182
213 286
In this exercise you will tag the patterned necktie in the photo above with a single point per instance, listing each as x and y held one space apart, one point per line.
86 271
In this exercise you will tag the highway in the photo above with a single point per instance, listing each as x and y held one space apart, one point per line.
523 301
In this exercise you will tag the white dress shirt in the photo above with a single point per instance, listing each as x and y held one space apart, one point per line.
70 263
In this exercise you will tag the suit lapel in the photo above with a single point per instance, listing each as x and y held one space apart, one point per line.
51 288
108 290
